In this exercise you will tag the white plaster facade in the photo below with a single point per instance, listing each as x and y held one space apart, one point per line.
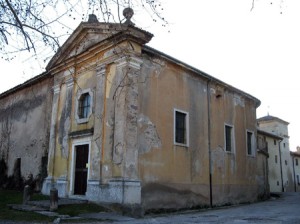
280 162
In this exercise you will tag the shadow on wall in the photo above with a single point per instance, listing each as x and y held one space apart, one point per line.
16 181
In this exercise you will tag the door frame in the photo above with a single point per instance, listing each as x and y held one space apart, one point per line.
77 142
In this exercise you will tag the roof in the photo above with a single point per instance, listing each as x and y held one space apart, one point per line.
27 83
295 153
96 33
117 31
150 50
269 118
272 135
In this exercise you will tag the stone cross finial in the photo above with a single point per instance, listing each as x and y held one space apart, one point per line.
128 13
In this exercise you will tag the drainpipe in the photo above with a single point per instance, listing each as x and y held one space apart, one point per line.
295 186
209 143
282 189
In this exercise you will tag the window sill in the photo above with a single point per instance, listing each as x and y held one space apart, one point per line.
229 152
82 120
181 145
251 156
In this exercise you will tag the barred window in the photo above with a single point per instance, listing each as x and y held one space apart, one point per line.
228 138
181 132
84 105
250 143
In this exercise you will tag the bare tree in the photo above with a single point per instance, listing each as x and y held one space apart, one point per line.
39 26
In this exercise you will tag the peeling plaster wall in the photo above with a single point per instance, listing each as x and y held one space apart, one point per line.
234 173
176 176
70 87
24 128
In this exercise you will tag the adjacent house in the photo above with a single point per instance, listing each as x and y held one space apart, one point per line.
263 164
268 143
275 131
295 156
131 125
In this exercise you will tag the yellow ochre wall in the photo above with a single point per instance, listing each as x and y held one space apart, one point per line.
178 176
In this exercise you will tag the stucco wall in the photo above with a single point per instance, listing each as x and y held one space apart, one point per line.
24 129
176 176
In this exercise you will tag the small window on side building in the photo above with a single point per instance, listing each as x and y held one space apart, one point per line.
229 142
250 143
181 128
296 162
275 158
275 142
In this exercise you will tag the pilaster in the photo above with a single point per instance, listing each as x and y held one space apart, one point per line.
125 151
97 148
51 156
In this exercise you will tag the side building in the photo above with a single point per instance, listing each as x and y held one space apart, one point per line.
268 143
296 168
275 131
25 114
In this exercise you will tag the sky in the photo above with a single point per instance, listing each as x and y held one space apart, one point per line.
254 49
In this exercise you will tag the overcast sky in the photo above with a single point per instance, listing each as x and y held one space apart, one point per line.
256 50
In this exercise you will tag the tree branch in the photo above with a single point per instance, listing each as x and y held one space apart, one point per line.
26 36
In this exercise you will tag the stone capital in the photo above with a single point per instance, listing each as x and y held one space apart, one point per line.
131 61
100 70
69 82
56 89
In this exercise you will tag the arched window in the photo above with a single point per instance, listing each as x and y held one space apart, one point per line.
84 105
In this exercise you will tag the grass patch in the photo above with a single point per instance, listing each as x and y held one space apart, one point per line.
16 197
76 209
39 197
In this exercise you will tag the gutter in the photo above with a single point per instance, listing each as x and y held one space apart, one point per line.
295 186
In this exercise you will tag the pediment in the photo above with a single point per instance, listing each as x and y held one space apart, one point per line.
88 35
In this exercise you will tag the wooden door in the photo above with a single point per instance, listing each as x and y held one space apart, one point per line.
81 170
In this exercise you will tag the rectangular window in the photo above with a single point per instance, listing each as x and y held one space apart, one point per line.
84 105
181 129
275 158
229 138
285 162
296 162
298 181
283 145
250 143
275 142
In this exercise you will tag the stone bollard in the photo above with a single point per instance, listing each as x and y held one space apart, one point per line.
53 199
26 194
